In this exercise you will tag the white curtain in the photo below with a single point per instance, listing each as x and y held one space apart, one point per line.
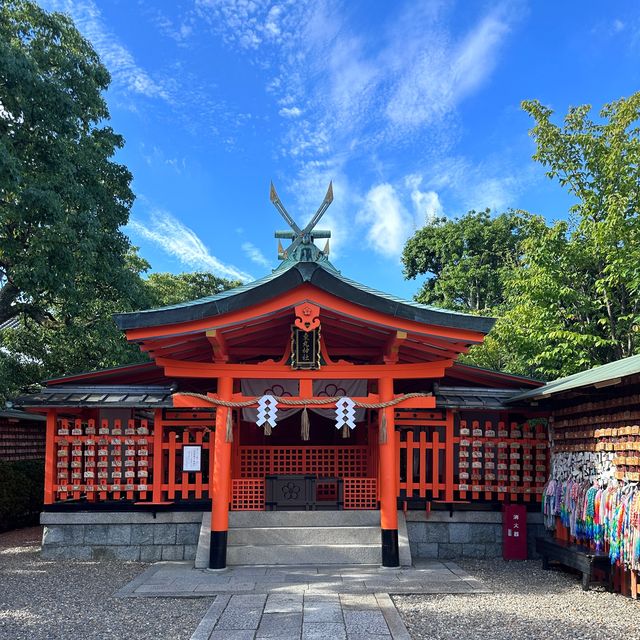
328 388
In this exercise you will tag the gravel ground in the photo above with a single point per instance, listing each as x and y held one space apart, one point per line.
526 602
74 600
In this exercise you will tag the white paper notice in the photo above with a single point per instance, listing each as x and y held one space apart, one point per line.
191 458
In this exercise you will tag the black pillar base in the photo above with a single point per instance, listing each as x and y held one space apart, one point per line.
218 550
390 550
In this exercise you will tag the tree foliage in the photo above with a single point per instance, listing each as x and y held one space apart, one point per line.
62 197
169 288
573 301
467 259
65 265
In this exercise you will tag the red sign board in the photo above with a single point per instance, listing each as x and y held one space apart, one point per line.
514 532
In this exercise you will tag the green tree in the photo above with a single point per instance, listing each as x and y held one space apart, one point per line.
467 259
169 288
574 300
73 338
62 197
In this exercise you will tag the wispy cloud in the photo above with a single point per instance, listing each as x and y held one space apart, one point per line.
478 185
182 243
155 156
255 255
116 57
347 94
439 73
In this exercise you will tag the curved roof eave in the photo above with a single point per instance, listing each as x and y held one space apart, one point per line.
290 275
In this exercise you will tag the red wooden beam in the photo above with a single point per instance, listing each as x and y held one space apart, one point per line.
218 344
392 348
184 369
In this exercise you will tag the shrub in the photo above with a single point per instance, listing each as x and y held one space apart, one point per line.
21 493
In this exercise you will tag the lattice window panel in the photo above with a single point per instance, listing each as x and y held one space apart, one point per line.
352 462
247 494
321 461
256 462
287 461
360 493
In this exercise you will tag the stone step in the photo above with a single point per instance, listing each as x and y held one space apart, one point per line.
304 535
238 519
303 554
318 546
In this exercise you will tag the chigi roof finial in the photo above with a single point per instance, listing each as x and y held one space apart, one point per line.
302 247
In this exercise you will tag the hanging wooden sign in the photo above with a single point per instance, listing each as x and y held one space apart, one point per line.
305 348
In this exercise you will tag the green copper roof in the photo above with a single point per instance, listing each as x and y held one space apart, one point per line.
290 274
596 376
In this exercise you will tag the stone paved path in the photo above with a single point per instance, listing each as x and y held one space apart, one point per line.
308 602
175 579
306 616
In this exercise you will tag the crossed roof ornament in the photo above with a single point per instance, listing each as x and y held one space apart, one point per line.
302 247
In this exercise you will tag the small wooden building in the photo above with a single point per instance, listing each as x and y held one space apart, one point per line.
302 390
594 429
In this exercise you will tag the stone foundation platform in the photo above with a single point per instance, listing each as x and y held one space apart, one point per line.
145 537
91 535
463 534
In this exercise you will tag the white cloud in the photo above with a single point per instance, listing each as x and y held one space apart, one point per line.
290 112
618 25
388 221
181 242
249 24
346 93
255 255
117 58
426 204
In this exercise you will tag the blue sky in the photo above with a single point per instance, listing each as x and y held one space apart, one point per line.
411 108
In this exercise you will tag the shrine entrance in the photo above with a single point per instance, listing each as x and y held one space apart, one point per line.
333 469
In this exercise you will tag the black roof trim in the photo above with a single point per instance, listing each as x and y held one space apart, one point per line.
284 280
473 397
15 414
99 396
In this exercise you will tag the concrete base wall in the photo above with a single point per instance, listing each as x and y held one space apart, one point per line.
464 534
87 535
174 535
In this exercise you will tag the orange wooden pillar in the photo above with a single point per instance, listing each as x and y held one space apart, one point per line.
388 481
50 457
221 481
157 456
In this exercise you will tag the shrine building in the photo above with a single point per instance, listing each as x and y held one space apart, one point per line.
282 412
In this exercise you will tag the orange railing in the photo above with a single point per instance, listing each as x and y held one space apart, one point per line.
440 458
136 460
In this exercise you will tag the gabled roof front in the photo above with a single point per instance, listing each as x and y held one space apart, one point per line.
290 274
